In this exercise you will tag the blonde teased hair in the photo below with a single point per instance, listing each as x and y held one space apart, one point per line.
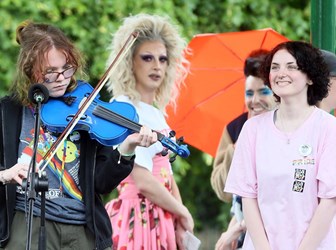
149 28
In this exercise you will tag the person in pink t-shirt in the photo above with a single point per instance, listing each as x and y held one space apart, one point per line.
283 166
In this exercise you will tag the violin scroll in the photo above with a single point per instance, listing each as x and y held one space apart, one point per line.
169 144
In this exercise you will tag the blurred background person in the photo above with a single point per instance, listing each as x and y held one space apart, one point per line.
258 99
328 104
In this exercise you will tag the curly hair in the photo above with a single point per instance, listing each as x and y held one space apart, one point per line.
36 40
149 28
310 61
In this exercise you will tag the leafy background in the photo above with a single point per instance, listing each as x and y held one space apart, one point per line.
90 23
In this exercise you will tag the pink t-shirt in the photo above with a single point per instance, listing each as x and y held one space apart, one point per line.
287 173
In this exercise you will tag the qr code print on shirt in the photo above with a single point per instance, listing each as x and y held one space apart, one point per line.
298 186
300 174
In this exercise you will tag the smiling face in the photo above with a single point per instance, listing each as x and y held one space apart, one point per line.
287 81
150 63
258 97
56 63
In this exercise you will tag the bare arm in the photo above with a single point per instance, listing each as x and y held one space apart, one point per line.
254 224
181 224
153 190
176 191
319 225
228 239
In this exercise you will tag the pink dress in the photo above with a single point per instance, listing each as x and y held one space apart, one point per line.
137 223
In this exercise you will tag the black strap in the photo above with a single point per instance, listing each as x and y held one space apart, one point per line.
235 126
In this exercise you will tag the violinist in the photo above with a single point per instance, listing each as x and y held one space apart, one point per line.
148 212
77 174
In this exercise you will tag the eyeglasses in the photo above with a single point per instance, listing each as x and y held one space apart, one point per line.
261 92
53 76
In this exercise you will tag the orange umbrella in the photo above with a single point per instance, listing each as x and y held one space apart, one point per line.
213 94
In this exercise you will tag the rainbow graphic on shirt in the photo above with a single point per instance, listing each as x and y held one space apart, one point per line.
56 165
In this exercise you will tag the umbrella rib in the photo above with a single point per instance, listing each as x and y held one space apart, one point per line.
229 49
264 39
210 97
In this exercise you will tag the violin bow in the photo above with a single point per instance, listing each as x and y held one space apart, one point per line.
86 103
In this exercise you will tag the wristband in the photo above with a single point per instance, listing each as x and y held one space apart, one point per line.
125 156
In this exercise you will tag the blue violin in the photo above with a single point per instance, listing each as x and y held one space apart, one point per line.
108 123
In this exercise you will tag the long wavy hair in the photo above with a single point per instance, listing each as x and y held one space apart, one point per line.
149 28
36 40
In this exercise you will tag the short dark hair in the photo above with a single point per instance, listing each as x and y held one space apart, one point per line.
310 61
253 61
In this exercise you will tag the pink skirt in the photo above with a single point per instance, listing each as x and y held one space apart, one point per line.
137 223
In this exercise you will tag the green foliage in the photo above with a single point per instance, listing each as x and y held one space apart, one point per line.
90 23
193 176
237 15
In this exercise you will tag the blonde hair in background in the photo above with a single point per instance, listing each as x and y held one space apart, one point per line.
149 28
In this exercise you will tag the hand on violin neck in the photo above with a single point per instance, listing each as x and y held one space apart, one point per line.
145 137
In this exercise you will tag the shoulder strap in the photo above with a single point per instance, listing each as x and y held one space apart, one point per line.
235 126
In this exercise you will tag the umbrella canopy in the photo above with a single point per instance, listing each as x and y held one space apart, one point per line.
213 94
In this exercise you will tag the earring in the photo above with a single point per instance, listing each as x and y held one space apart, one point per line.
310 82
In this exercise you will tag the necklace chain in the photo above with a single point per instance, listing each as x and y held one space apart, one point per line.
285 128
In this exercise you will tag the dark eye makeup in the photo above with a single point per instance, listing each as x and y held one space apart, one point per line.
148 58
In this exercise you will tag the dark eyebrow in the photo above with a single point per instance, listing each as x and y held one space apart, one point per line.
51 68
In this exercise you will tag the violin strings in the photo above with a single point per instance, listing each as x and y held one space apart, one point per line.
116 118
111 116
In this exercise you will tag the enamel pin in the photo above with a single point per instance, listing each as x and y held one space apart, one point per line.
305 150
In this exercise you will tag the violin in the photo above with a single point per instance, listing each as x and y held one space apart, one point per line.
108 123
78 116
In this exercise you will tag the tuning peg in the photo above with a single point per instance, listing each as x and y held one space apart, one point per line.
173 158
172 133
164 152
180 140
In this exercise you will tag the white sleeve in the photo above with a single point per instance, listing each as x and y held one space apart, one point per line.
144 156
